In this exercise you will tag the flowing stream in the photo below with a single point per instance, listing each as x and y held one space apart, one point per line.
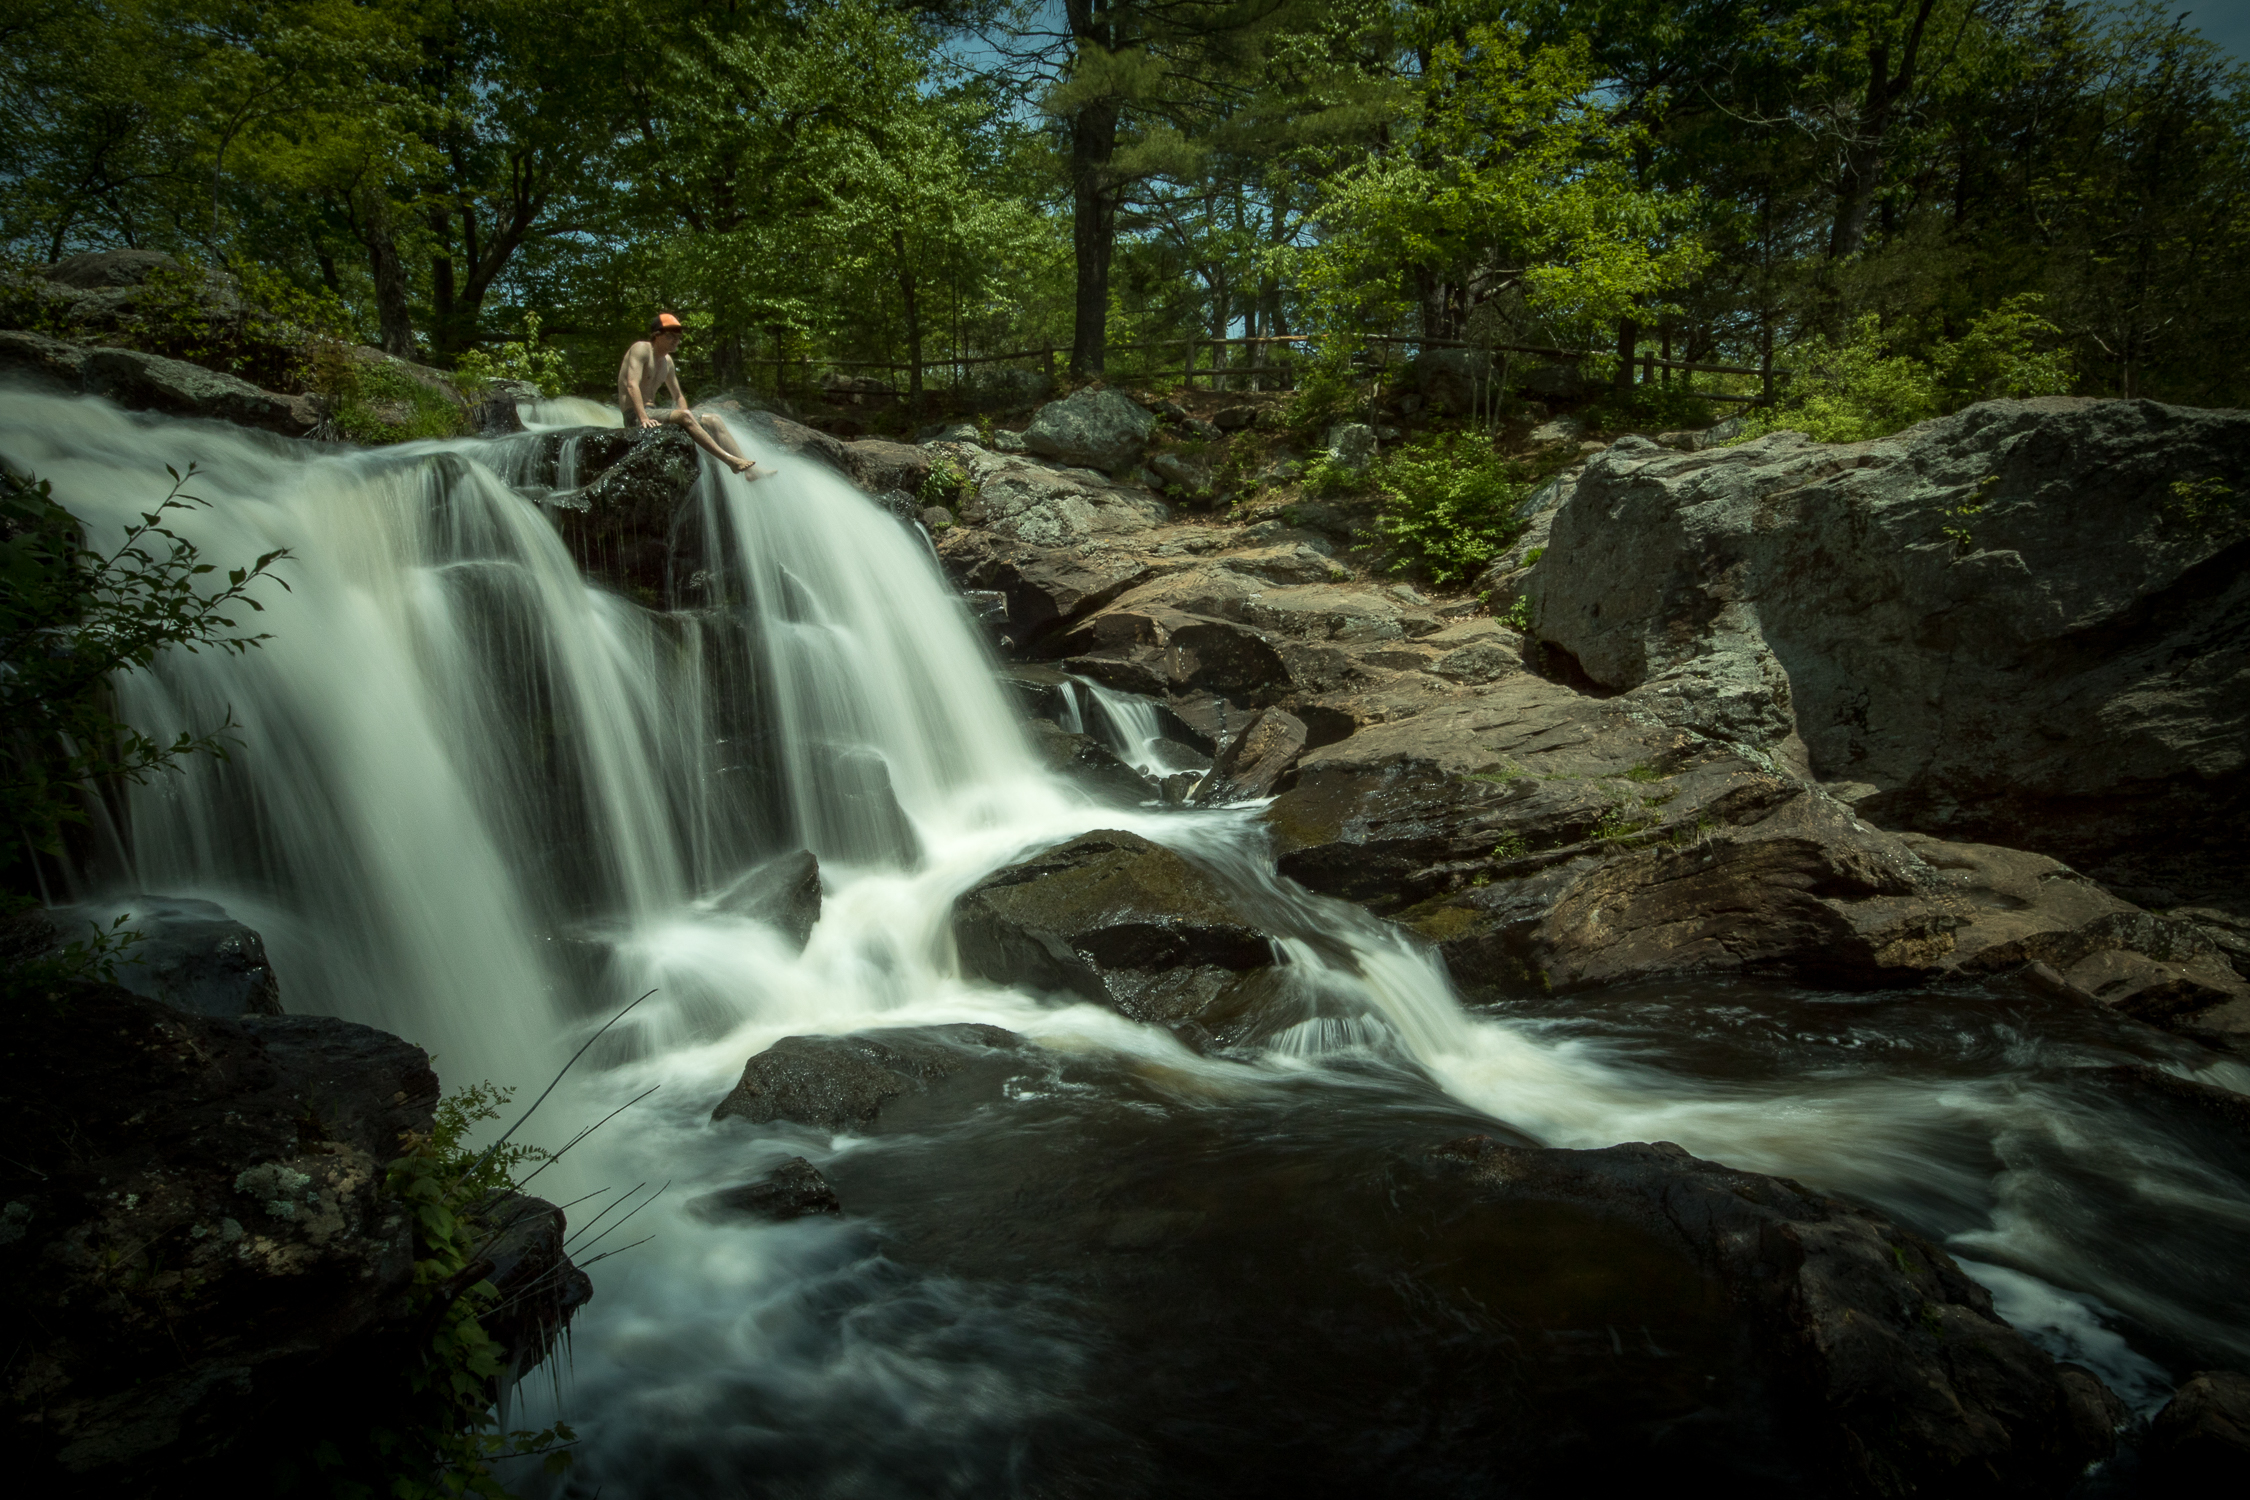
480 803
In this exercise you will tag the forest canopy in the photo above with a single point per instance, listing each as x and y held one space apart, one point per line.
914 183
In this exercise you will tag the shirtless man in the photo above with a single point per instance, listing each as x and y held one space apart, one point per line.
647 369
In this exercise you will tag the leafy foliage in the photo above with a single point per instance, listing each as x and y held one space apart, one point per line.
524 359
373 401
1449 505
1858 389
443 1438
72 615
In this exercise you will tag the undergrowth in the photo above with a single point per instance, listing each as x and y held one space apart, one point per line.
1449 504
440 1435
376 402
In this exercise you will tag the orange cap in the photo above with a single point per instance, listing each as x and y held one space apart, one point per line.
666 320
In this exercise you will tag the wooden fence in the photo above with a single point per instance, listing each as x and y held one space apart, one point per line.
1218 373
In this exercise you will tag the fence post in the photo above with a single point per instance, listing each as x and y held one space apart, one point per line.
1050 361
1187 378
1765 365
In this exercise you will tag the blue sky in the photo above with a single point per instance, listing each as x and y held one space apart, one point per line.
2226 22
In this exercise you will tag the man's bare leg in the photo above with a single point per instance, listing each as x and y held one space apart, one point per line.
724 437
695 430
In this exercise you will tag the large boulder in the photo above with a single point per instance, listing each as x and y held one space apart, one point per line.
1252 763
1897 1376
1123 922
2022 624
191 955
150 382
782 892
101 270
845 1082
2201 1439
879 467
622 500
1031 504
204 1264
1104 430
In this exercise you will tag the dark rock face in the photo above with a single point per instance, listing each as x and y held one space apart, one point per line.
1254 761
540 1290
492 410
2202 1436
235 1164
97 270
149 382
192 955
1905 1381
1122 922
1090 763
784 892
793 1190
630 522
844 1082
2022 624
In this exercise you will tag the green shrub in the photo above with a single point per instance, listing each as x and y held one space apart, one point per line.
1326 396
1664 408
71 616
525 359
1449 505
1860 389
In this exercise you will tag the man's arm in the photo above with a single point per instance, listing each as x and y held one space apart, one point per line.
679 397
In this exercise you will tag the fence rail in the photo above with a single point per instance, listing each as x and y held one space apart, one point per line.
1216 373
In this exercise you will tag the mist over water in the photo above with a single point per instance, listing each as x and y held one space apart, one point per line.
480 803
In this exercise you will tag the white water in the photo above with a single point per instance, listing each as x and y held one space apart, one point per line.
479 803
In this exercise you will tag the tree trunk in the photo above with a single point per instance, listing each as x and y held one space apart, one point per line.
396 322
1628 336
443 332
1863 156
1093 233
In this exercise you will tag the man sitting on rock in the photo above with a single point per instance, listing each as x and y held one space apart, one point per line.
648 367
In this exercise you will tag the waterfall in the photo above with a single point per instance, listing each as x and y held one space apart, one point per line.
480 803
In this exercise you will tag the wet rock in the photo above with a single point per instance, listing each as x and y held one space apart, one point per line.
1088 762
539 1287
192 956
1043 586
1903 1379
792 1190
1255 760
2202 1436
2207 1100
493 408
783 893
844 1082
236 1166
630 523
877 466
1120 921
1104 430
2021 624
800 441
150 382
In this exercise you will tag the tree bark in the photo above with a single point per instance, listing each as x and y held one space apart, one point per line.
372 210
1628 337
1864 156
1093 233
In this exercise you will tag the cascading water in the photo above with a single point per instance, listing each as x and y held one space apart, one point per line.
480 803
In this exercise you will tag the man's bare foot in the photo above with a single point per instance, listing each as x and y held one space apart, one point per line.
750 470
